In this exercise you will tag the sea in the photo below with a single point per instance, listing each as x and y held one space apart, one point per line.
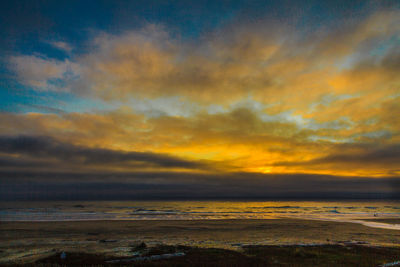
196 210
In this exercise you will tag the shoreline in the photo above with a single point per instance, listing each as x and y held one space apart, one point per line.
389 222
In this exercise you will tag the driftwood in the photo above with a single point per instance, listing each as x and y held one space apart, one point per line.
153 257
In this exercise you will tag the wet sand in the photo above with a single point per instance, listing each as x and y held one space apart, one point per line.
22 242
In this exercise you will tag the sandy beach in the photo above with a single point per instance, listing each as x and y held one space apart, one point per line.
24 242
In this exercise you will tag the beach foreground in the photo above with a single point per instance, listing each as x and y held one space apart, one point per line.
29 242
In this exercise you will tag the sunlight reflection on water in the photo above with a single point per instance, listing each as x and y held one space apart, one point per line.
195 210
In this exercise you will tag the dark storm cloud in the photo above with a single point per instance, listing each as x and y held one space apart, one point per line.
34 167
178 185
41 147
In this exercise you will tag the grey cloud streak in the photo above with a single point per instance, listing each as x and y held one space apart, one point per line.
348 154
47 148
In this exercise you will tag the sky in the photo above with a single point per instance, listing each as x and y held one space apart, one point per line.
199 99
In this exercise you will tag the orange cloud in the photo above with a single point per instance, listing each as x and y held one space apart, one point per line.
316 104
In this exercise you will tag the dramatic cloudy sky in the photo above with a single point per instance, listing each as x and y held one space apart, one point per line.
199 99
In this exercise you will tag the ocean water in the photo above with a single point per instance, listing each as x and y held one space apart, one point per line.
196 210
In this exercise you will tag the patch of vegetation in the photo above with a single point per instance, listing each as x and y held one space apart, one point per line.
72 259
326 255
